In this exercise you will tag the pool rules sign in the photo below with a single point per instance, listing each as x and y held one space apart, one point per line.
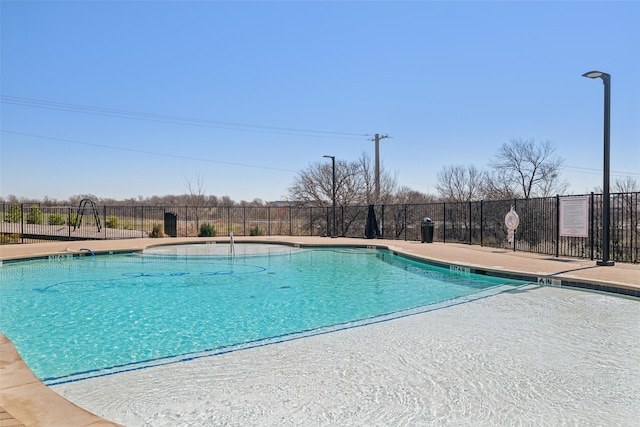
574 216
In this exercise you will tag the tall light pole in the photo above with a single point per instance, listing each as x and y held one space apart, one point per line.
606 223
333 162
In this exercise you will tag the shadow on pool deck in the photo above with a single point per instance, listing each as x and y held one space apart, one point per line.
24 400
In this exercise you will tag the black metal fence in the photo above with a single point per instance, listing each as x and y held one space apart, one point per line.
475 223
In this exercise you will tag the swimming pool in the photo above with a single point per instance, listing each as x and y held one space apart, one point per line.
74 318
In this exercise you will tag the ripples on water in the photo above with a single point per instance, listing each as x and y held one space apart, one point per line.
539 356
77 317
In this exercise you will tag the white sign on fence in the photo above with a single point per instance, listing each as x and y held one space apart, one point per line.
574 216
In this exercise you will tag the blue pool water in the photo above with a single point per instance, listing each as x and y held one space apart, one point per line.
73 318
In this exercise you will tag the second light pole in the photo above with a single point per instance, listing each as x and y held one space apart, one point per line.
333 162
606 222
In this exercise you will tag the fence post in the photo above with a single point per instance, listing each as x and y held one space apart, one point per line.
405 222
382 221
591 225
104 210
470 229
557 228
444 222
481 223
229 231
634 252
515 208
327 218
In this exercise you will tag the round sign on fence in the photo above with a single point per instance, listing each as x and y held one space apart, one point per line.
511 220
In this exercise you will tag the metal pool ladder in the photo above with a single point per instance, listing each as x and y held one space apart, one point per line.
232 245
80 213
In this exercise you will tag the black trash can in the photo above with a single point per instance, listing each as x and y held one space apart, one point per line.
427 230
171 224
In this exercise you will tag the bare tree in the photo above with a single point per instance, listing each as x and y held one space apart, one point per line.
354 183
626 184
532 169
495 186
350 186
76 199
459 183
388 182
196 191
256 202
226 201
196 198
314 185
406 195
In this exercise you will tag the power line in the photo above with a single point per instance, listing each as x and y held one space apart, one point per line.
596 171
177 156
178 120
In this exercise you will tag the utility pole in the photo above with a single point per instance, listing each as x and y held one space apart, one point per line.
377 139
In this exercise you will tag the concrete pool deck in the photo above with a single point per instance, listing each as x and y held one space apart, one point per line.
25 400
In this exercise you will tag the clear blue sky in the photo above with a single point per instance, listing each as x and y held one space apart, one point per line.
246 94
